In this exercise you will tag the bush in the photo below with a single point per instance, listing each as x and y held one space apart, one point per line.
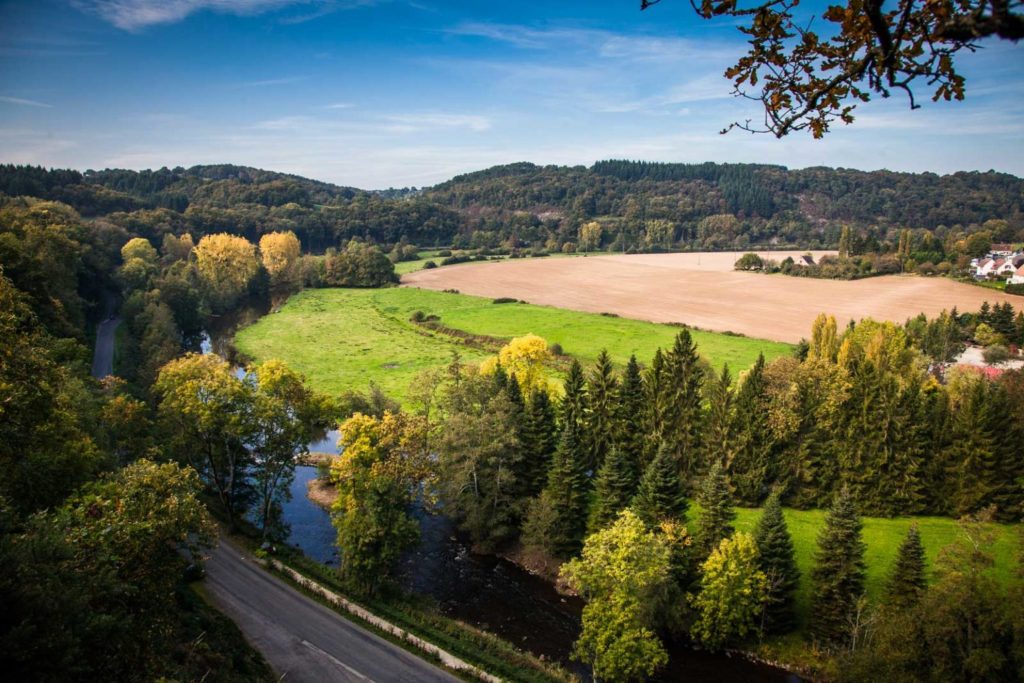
1015 289
556 349
504 300
428 265
445 252
418 317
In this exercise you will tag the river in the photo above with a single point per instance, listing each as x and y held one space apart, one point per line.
483 590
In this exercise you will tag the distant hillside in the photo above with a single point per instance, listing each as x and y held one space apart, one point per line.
639 206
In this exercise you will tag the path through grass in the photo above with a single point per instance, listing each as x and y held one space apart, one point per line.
342 339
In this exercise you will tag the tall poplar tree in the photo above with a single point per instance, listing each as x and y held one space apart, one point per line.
838 575
776 559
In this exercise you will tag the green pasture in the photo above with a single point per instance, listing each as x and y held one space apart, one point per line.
342 339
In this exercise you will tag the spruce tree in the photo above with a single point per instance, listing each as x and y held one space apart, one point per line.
777 561
661 495
655 397
565 500
718 440
716 512
838 575
629 418
614 488
539 441
602 390
907 581
681 404
752 467
573 409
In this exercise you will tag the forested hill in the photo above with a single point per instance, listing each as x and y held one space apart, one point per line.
640 206
730 205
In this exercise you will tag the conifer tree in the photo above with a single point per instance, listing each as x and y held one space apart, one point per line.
614 488
752 467
602 390
907 581
681 404
718 438
716 514
655 396
838 575
777 561
629 418
539 441
557 519
573 409
661 495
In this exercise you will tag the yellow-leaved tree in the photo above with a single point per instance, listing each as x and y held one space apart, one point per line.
227 264
590 236
524 358
280 252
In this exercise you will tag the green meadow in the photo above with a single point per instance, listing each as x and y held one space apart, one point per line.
342 339
882 537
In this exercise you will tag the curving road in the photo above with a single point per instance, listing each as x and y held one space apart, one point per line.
300 638
103 356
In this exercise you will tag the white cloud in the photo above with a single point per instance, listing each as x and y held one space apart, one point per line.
133 15
25 103
422 121
339 105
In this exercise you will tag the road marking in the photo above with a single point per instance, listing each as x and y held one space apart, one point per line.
337 661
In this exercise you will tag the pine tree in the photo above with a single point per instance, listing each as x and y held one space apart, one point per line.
661 495
752 468
838 575
681 403
629 412
777 561
602 390
539 441
907 582
614 488
557 519
655 395
716 511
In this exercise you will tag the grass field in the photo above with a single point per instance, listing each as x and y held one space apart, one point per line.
343 339
882 537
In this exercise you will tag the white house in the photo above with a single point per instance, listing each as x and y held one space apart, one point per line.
984 267
1005 267
1018 277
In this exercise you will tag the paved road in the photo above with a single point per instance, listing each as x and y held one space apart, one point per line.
103 358
300 638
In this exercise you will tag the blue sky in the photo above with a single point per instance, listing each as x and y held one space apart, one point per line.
376 93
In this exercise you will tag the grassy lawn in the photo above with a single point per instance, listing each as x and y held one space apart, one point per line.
342 339
882 537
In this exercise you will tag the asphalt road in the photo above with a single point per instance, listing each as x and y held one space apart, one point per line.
103 357
300 638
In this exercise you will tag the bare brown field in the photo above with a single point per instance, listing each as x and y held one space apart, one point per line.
702 290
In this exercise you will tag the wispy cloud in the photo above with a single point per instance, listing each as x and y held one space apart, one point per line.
271 82
439 120
24 102
339 105
133 15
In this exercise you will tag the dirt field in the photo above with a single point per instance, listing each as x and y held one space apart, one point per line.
702 290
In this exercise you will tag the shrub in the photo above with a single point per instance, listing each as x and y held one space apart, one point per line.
504 300
418 317
445 252
428 265
556 349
